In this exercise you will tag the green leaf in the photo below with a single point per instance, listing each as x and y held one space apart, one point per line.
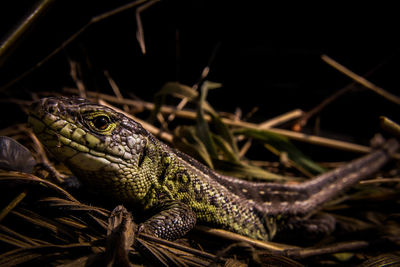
282 144
226 149
343 256
171 88
178 90
202 128
224 132
186 140
243 170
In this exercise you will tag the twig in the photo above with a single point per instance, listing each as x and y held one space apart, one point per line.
177 246
316 140
75 76
322 141
20 176
72 38
110 98
381 180
271 246
361 80
140 32
307 115
308 252
390 126
281 119
303 120
115 88
13 204
245 147
9 44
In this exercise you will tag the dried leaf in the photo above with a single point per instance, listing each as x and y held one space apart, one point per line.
14 156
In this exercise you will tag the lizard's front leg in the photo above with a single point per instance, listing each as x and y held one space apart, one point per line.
173 220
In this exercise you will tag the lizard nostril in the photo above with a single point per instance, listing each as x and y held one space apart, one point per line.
53 106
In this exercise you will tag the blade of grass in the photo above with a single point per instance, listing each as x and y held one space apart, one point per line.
202 128
390 126
13 204
361 80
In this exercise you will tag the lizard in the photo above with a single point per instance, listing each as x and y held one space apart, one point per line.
115 156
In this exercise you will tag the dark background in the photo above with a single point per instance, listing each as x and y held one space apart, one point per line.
269 56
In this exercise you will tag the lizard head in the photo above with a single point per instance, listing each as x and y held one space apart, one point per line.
101 146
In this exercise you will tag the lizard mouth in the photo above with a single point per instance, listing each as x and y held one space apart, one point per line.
61 146
47 120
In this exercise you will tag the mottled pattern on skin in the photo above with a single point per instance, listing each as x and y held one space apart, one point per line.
115 156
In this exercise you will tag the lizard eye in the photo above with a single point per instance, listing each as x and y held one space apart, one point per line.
101 122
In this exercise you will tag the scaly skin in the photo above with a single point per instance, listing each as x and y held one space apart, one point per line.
115 156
